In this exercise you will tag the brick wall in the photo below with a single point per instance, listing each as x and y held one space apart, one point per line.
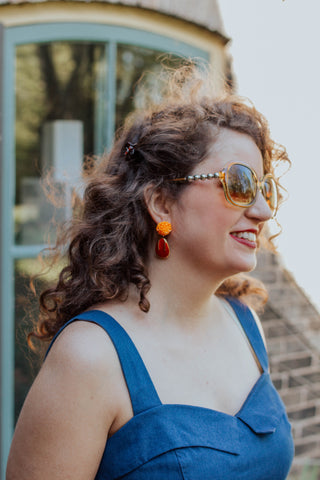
292 327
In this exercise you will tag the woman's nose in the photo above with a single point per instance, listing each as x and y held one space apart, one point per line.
260 209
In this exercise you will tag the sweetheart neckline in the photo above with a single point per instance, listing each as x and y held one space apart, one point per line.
186 406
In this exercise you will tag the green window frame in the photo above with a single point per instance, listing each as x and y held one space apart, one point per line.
10 38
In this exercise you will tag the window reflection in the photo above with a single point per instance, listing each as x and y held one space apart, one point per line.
54 82
27 362
132 63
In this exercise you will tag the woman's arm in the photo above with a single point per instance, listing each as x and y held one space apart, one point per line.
63 426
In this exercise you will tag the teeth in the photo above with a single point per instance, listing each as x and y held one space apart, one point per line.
252 237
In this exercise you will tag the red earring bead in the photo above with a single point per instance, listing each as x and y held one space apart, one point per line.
162 248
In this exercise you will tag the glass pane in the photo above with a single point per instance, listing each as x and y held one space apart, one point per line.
59 87
27 362
132 62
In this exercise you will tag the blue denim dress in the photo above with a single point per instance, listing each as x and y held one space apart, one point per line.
182 442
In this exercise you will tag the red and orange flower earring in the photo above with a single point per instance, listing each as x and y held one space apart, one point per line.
162 246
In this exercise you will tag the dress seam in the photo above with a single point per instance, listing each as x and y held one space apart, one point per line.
180 466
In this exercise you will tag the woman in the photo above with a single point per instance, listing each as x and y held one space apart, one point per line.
167 224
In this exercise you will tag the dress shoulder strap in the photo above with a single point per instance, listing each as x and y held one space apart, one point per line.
251 330
141 389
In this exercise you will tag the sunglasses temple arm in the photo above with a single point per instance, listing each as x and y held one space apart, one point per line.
191 178
183 179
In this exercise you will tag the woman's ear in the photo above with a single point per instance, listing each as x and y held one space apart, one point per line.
158 204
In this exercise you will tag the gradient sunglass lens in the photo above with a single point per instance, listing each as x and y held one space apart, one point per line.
241 184
270 192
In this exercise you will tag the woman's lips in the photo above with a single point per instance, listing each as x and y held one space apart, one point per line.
248 238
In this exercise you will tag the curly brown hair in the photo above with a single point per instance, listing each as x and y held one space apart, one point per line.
108 243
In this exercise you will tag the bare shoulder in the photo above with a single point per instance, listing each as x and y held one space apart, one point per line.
66 418
85 346
84 356
84 363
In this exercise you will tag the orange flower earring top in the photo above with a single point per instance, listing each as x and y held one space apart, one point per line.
162 246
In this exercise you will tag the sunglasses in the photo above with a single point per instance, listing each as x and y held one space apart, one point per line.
241 185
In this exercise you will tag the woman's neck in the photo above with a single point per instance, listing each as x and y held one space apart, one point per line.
180 293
